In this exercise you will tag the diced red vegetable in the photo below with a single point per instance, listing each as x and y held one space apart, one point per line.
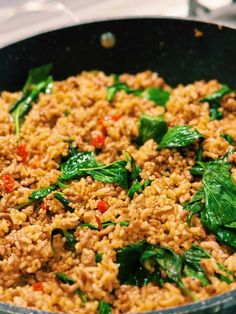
98 141
100 227
102 206
102 126
115 117
34 164
43 206
21 151
38 286
9 183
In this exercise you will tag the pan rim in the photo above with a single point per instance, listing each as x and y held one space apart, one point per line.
221 301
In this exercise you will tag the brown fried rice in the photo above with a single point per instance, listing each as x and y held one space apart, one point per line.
157 215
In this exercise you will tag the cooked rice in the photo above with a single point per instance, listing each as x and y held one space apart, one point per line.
156 214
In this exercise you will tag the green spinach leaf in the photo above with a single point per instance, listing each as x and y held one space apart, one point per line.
68 235
67 280
64 278
38 81
98 258
84 164
35 76
151 128
137 187
196 205
188 271
179 136
157 95
41 193
105 224
192 259
104 308
118 86
214 101
64 202
141 263
219 195
131 270
216 96
229 139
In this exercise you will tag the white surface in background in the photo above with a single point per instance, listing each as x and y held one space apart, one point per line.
20 19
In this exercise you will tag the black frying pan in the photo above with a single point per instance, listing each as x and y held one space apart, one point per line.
168 46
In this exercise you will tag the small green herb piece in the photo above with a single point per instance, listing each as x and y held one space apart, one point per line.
216 96
196 205
40 194
118 86
64 202
137 187
151 128
214 101
192 259
229 139
35 76
105 224
90 226
157 95
68 235
135 169
24 205
67 112
64 278
124 223
67 280
179 136
98 258
84 164
104 308
197 170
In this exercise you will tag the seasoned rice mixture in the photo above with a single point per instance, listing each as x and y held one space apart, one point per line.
63 251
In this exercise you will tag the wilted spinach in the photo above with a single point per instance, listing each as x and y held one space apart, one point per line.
67 280
98 258
179 136
38 81
192 259
157 95
137 187
84 164
141 263
41 193
151 128
68 235
118 86
216 200
105 224
229 139
135 179
214 101
64 202
104 308
196 205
